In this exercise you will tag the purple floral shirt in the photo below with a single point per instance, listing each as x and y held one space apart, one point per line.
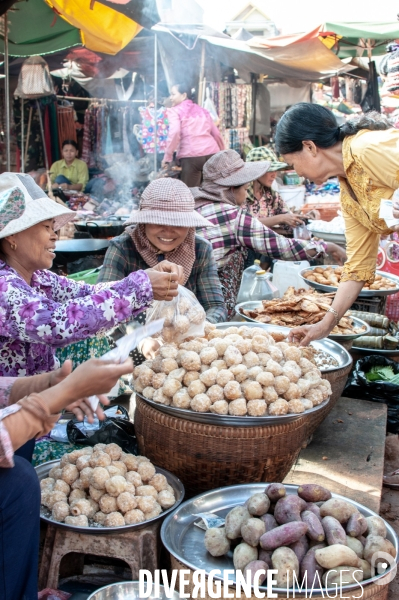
56 311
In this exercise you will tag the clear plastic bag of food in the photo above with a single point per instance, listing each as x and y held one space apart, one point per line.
183 317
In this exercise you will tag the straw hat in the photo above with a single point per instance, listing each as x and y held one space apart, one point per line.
168 201
227 168
38 206
12 206
263 153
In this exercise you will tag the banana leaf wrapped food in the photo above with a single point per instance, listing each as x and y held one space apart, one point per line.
373 319
377 342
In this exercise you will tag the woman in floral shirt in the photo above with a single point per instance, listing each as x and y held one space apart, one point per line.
40 311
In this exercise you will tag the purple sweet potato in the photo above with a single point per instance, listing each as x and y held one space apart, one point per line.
270 522
342 510
312 492
357 525
315 527
285 535
300 548
266 557
275 491
310 566
335 533
254 567
252 530
289 509
312 506
362 539
258 505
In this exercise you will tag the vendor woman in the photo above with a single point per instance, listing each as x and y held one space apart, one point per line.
40 311
70 173
364 154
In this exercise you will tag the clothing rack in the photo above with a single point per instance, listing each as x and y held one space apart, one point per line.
98 99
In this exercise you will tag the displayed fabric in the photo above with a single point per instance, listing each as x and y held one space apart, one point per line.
148 129
66 124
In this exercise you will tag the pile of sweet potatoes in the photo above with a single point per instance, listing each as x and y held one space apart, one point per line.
311 533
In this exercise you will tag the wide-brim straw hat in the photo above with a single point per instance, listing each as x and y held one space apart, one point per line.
227 168
263 153
168 201
38 206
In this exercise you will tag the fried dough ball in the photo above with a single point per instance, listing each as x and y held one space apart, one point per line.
80 507
269 394
303 386
306 365
177 374
80 521
76 495
292 371
238 407
182 399
120 465
85 477
159 482
325 383
126 502
160 397
114 519
233 330
220 407
190 377
252 390
100 459
138 387
232 339
250 359
115 485
131 462
191 361
192 346
220 346
260 344
170 387
243 345
182 324
184 305
94 508
145 377
323 390
218 364
209 376
99 518
77 485
276 354
215 393
146 471
232 390
134 478
82 462
201 403
257 408
113 471
136 372
279 407
223 377
62 486
168 334
209 327
232 356
74 455
253 372
99 477
156 365
274 368
70 474
149 392
292 353
196 315
146 503
60 511
64 460
154 513
216 333
314 378
196 387
53 497
168 351
240 372
265 378
54 471
307 404
146 490
168 314
208 355
166 499
315 396
264 358
132 517
47 483
107 504
295 406
169 365
293 392
283 346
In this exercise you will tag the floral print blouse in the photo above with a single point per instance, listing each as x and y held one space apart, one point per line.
56 311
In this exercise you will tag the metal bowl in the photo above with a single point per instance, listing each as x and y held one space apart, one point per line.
43 470
185 541
368 351
333 336
363 293
128 590
336 238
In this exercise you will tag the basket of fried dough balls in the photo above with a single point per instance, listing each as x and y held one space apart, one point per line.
105 487
237 371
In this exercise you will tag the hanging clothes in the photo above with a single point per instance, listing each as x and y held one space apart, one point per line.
148 129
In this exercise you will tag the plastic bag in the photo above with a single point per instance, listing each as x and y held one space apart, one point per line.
183 317
376 391
118 430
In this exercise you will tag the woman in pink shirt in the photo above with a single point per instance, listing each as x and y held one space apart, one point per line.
192 135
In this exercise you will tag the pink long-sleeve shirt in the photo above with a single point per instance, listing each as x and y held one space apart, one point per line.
191 132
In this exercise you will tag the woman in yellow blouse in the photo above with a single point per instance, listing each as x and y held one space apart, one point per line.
70 173
364 154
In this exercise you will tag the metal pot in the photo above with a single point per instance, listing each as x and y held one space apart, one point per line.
102 228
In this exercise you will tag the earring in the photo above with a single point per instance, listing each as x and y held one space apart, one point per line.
13 246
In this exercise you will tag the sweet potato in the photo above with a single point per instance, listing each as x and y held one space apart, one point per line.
285 535
357 525
234 521
335 556
243 555
343 575
300 548
334 531
270 522
312 506
312 492
266 557
376 543
310 566
375 526
252 530
337 508
286 562
258 505
216 541
289 509
315 528
255 566
362 539
356 546
275 491
367 570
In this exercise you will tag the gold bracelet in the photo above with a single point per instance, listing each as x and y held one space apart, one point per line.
335 313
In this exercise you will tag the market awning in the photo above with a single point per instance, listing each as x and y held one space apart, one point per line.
359 38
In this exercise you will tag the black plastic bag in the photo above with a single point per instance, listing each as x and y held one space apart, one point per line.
376 391
113 430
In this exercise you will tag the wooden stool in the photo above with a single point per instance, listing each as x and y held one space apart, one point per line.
140 549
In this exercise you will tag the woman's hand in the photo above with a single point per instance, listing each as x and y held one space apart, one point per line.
82 408
149 347
337 253
308 333
59 374
290 219
165 266
164 285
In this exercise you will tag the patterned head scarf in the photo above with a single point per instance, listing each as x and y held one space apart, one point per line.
12 206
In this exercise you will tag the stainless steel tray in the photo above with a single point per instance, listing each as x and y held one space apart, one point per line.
186 542
336 238
386 353
333 336
129 590
43 470
363 294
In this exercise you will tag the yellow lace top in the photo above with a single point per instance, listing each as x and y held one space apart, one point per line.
371 162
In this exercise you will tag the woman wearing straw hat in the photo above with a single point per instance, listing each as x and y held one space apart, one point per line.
220 200
164 228
40 311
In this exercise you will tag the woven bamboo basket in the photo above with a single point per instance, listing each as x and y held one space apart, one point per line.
369 592
206 457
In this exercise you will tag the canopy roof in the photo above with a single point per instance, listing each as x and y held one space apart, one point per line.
360 38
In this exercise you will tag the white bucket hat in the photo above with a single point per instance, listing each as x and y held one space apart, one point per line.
38 206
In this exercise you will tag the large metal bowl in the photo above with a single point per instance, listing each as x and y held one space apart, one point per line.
129 590
43 470
251 305
363 293
185 541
